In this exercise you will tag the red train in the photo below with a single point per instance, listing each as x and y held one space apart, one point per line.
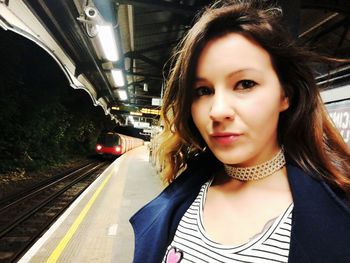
112 143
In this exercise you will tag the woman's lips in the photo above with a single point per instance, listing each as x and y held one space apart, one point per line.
225 138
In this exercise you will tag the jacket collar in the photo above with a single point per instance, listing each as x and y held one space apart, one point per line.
179 191
320 224
321 221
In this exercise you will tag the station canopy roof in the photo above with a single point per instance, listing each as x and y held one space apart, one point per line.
146 32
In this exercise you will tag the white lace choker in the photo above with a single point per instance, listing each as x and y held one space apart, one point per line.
259 171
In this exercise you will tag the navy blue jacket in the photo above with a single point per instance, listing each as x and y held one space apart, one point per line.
320 224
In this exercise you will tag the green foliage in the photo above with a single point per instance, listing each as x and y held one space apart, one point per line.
45 134
43 121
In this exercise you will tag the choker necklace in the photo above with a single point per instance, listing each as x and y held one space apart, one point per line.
259 171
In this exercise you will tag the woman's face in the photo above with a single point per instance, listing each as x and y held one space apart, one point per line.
237 100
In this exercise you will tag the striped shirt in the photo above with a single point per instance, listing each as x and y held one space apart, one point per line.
191 243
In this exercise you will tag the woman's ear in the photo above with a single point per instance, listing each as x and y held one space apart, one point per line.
284 103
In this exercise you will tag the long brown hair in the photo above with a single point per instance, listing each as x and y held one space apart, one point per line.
309 137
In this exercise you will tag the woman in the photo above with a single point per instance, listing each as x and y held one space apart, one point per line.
256 170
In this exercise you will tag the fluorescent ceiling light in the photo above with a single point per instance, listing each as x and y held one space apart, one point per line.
145 87
108 43
118 77
122 94
135 113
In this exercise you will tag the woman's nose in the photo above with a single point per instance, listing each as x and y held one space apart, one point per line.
221 107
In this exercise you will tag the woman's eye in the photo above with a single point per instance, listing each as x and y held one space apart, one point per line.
245 84
201 91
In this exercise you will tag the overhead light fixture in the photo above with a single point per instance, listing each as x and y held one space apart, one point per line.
150 111
107 41
122 94
135 113
118 77
145 87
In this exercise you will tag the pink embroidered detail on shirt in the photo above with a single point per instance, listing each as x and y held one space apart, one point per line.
174 255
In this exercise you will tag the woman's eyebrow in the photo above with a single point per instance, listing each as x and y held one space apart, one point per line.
197 78
242 70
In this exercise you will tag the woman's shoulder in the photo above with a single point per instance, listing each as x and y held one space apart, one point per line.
198 170
310 189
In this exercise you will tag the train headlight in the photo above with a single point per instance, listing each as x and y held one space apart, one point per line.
118 149
98 147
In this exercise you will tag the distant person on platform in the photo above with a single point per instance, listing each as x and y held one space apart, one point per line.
256 170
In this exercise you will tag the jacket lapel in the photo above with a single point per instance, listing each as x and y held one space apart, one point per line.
320 224
155 224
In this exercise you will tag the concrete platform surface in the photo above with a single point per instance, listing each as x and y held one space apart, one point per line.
95 228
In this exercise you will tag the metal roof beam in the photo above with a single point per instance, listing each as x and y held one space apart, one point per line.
136 55
137 82
158 47
330 29
143 96
342 6
343 37
150 76
60 19
166 6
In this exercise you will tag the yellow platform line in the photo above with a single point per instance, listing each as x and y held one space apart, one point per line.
65 240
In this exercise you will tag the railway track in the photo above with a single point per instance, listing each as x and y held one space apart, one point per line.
26 215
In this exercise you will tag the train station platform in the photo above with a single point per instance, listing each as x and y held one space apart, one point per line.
95 228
